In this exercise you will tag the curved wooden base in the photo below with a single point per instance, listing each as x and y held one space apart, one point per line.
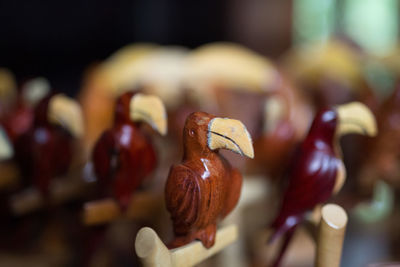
152 251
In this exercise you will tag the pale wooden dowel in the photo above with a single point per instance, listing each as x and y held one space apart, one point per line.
153 253
330 236
61 191
27 201
100 211
142 205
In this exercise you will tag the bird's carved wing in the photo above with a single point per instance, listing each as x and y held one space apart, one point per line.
183 198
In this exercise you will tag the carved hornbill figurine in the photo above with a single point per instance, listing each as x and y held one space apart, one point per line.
124 154
45 150
205 188
317 171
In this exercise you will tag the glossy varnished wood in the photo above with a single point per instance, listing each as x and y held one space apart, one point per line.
123 156
317 171
45 150
203 189
312 174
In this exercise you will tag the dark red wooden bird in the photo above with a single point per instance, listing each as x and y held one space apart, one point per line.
45 150
124 154
18 118
205 188
317 171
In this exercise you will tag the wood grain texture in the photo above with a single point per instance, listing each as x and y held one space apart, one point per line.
204 188
153 253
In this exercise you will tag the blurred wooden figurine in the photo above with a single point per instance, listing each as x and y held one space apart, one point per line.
379 171
383 153
286 119
45 150
205 188
124 156
317 170
16 117
19 117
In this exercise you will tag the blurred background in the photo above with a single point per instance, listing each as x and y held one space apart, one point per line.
313 52
60 40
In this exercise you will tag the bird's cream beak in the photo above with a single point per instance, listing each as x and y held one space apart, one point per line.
35 90
229 134
67 113
356 117
6 149
149 108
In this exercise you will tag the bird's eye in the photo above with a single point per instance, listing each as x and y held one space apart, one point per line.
191 133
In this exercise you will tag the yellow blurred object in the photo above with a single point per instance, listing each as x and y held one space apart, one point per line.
163 72
392 60
229 65
123 69
103 84
333 60
8 86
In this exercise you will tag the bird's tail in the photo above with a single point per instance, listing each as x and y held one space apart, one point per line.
288 237
281 225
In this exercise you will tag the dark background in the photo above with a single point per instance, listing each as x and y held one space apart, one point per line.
60 39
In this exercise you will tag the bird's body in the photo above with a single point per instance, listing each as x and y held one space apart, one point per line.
317 171
123 157
205 188
312 180
45 150
200 193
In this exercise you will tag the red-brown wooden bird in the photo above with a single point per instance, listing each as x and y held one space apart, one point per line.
124 154
205 188
45 150
18 118
317 171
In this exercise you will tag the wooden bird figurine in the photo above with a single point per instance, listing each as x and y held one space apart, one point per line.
19 117
382 157
205 188
317 170
287 116
45 150
124 154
